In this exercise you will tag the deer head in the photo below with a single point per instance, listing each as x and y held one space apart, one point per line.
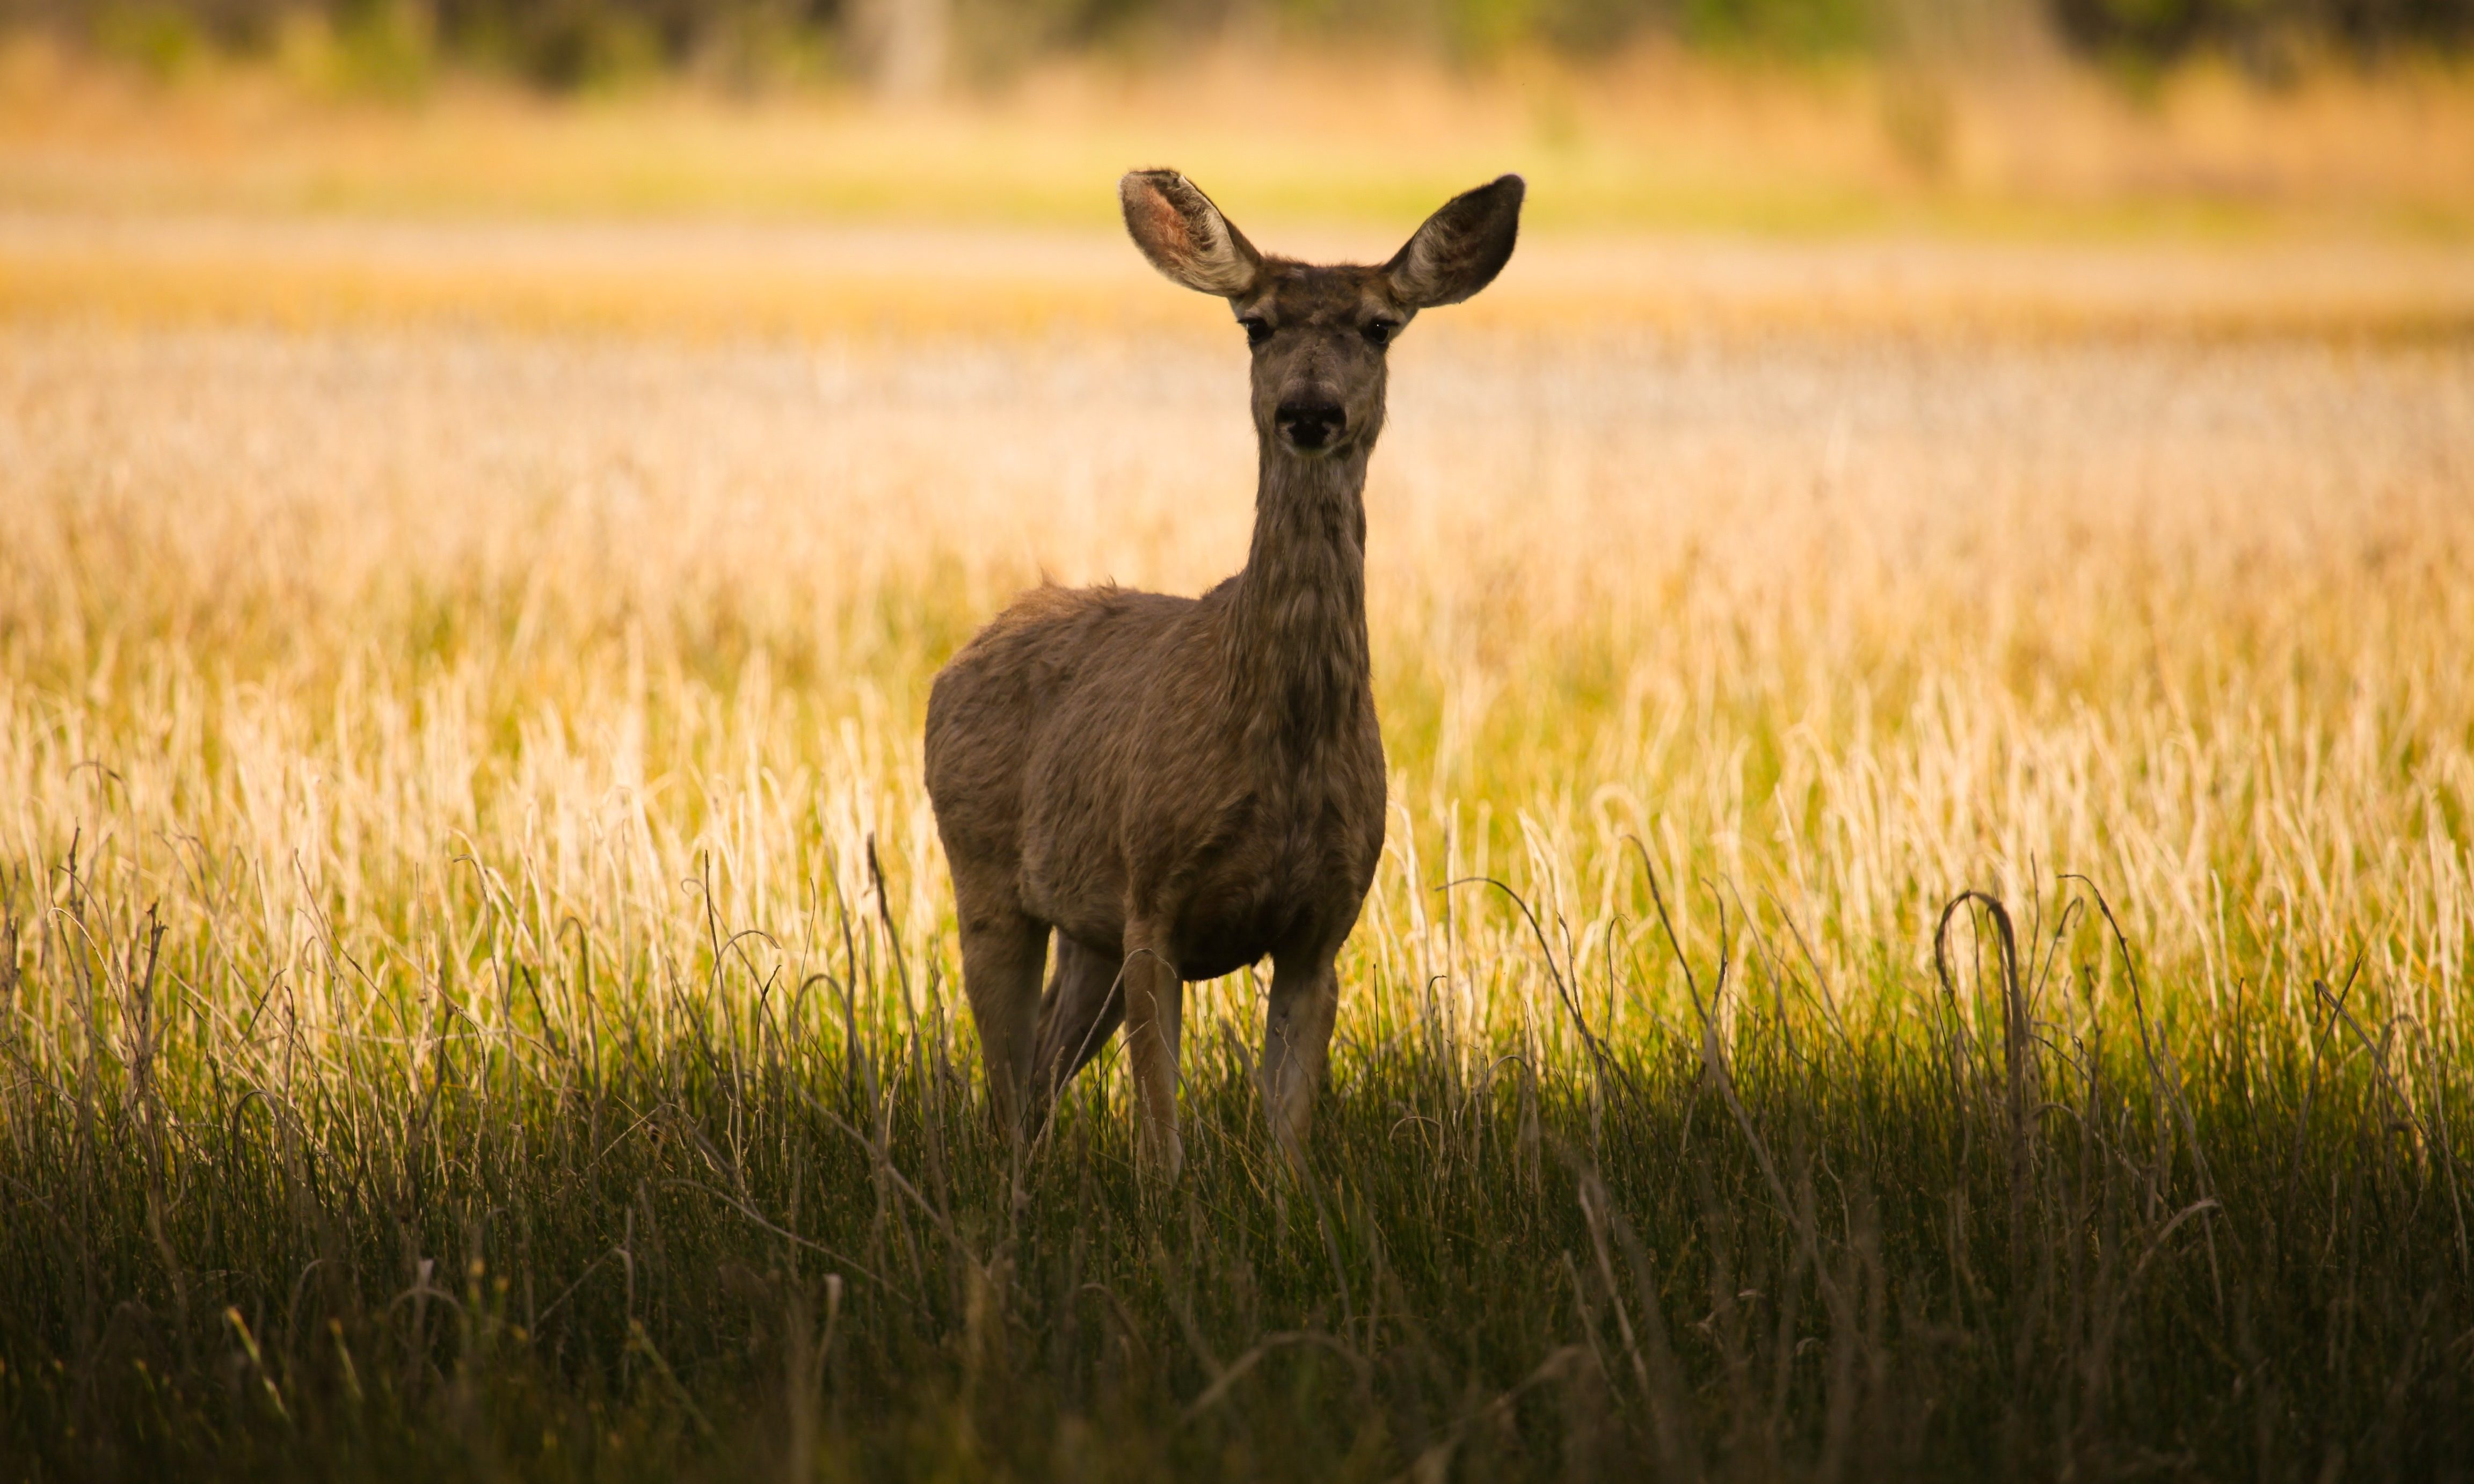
1318 333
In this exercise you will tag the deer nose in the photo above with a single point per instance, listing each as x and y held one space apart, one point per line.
1312 422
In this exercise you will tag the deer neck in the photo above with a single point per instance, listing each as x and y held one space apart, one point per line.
1296 644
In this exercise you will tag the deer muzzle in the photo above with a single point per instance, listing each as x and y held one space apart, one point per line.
1312 423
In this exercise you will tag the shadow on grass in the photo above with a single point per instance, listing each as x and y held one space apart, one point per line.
558 1229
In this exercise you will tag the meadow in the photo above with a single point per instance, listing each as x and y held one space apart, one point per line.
1924 933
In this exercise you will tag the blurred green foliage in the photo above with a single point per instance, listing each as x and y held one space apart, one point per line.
391 45
2267 37
160 38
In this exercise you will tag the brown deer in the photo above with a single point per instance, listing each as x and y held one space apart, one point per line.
1179 787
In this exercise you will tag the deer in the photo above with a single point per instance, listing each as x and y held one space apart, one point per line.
1175 788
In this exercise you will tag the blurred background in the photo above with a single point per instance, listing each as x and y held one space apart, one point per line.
1985 120
918 46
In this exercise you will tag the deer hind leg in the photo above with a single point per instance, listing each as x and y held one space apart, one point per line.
1154 995
1002 954
1297 1040
1081 1010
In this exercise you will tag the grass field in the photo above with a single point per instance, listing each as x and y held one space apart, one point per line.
479 998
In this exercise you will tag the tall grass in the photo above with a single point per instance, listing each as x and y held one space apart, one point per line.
479 992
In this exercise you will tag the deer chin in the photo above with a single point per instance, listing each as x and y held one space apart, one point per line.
1310 444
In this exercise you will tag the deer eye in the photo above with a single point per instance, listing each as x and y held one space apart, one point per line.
1378 333
1257 328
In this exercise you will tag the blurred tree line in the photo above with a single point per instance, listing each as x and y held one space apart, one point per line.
913 45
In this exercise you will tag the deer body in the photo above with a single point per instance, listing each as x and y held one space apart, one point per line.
1178 787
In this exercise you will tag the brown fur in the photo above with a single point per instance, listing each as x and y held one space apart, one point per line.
1177 787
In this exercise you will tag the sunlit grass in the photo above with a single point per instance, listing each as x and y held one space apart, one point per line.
547 1060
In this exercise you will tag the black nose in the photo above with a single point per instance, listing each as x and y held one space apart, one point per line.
1312 423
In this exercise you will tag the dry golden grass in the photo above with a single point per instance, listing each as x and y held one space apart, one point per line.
1853 570
294 624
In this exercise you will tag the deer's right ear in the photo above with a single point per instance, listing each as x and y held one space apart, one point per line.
1184 236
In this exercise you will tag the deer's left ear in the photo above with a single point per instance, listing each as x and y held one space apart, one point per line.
1184 236
1461 247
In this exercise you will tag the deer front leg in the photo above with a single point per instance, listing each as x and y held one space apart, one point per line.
1297 1037
1002 954
1154 1004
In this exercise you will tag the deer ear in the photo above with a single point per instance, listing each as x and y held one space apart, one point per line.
1461 247
1184 236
